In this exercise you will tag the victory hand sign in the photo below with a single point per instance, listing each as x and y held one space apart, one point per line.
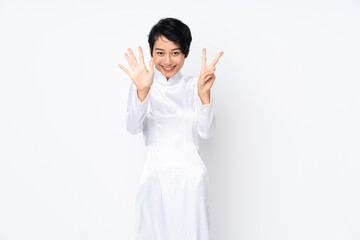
207 77
142 78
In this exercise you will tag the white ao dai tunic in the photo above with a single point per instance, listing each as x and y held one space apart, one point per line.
172 198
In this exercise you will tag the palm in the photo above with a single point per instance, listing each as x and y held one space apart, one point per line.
140 75
203 85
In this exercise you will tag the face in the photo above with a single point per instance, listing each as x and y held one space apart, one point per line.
167 56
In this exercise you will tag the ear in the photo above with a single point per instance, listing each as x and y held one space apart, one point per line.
150 50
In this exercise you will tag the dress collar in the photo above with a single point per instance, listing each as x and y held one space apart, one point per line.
159 77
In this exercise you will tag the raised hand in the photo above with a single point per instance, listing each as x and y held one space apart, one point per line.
207 76
140 75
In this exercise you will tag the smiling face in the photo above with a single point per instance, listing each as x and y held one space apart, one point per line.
167 56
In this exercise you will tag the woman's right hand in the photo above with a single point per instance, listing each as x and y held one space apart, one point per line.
140 75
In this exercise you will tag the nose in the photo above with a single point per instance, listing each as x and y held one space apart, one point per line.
168 60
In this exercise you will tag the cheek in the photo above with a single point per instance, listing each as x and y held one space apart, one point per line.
180 62
156 62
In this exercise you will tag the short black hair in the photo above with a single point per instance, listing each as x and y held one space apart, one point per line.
174 30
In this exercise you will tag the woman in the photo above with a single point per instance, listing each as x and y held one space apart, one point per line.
171 110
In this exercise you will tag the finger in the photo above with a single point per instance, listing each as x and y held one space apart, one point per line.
210 69
203 66
141 56
125 70
133 58
216 59
151 65
130 62
209 77
206 75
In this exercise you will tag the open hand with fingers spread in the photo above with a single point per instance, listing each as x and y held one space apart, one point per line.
207 77
140 75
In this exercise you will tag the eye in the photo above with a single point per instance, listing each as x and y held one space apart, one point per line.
176 53
159 53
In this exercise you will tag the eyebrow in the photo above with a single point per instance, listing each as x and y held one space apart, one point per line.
171 49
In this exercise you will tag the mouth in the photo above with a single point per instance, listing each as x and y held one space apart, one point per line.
168 69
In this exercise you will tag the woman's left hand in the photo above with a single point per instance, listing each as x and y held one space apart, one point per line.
207 75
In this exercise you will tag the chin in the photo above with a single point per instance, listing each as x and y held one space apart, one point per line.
169 75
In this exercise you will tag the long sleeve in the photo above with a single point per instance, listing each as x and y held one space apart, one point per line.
136 111
205 117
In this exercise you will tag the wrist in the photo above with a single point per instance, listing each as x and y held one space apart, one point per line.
144 89
204 94
142 93
204 97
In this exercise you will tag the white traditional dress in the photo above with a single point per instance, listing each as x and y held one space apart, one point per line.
172 198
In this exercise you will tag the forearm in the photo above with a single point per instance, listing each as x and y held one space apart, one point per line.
136 109
205 114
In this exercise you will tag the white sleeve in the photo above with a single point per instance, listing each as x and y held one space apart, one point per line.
205 116
136 111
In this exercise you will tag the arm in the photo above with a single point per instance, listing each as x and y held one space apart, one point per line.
204 101
139 92
136 109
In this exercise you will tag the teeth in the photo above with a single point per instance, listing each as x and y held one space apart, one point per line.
168 68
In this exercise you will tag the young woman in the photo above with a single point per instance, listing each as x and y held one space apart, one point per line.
171 110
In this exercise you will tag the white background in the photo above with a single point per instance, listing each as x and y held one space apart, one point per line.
283 163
